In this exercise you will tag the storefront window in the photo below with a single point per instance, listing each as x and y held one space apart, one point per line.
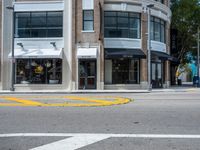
122 24
124 71
39 71
38 24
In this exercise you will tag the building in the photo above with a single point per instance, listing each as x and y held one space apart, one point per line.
110 46
84 44
42 44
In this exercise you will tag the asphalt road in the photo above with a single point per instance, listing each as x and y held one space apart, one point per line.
153 121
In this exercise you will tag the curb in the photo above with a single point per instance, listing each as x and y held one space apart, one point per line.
99 91
70 92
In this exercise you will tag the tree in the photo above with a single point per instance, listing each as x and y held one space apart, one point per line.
186 19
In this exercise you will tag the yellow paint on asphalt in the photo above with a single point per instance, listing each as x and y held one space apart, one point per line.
87 101
23 101
13 104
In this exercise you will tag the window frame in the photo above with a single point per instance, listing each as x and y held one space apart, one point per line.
85 20
127 62
115 16
30 29
27 71
161 23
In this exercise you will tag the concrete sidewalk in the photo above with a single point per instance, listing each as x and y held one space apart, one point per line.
183 88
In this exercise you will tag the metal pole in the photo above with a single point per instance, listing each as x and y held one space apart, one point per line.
149 49
12 52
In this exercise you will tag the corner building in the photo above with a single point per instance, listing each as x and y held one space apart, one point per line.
41 41
84 44
110 44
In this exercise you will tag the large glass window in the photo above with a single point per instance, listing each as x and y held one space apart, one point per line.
157 29
122 71
38 24
39 71
88 20
121 24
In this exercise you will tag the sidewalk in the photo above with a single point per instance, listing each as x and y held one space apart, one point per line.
183 88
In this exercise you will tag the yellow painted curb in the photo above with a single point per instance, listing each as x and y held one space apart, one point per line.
92 101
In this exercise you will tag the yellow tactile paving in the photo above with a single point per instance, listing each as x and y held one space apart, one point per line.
86 101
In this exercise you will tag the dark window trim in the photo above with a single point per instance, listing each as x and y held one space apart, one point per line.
32 28
84 20
129 61
160 22
135 16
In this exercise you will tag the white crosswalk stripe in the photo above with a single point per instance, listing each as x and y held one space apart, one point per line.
72 143
76 141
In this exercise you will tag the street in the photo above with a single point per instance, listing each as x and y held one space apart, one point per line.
151 121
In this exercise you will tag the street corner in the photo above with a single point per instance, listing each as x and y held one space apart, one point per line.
62 101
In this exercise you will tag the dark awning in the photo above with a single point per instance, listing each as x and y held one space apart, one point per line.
174 60
160 55
124 53
165 56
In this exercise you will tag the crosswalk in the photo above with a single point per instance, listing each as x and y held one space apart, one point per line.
78 140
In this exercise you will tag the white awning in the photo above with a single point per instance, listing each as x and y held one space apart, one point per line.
87 53
36 53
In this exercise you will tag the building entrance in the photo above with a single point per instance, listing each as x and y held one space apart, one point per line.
87 74
157 75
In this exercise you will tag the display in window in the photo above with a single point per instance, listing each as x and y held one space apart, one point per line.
39 71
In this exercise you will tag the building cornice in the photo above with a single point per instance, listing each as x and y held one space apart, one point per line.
143 3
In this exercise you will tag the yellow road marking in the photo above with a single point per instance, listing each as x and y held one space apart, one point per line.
25 102
93 101
87 99
12 104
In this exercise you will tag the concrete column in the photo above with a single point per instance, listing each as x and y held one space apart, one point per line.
102 67
67 34
167 63
167 37
74 60
7 23
167 74
143 62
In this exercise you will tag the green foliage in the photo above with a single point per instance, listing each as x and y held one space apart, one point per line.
186 19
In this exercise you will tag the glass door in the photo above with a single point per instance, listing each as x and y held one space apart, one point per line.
156 75
87 74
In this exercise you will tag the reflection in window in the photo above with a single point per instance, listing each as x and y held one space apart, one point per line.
38 24
157 30
39 71
122 24
124 71
88 20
